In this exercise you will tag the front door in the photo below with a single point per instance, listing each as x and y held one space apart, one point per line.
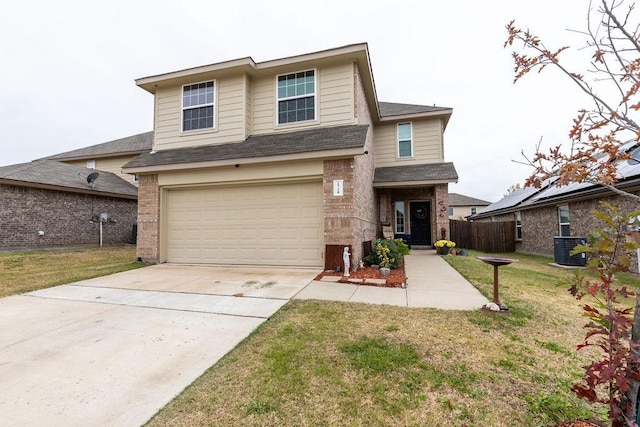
420 223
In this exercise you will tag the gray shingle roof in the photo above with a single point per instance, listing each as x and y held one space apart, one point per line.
274 144
456 199
388 109
51 173
139 143
443 172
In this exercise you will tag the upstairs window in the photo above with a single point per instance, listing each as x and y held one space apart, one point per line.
91 164
474 210
198 106
405 140
563 220
297 97
400 217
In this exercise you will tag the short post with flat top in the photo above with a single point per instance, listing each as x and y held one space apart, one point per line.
496 305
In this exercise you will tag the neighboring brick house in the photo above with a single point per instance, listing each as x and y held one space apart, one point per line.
461 206
273 163
109 156
47 203
542 214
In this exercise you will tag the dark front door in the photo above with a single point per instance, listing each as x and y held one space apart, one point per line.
420 223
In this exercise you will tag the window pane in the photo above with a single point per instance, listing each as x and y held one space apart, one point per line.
563 213
295 110
399 217
404 131
404 148
450 210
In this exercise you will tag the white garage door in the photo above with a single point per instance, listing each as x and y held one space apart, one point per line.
275 224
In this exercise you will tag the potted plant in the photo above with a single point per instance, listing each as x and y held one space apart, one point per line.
443 246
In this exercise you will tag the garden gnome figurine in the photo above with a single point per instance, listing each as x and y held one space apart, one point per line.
347 263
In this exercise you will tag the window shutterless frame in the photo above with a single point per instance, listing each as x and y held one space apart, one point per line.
564 220
518 219
404 133
198 106
400 218
296 97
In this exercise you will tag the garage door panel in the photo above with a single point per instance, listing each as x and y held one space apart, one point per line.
265 225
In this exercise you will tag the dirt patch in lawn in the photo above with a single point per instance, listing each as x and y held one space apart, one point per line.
396 279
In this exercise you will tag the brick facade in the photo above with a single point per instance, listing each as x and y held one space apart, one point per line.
540 225
148 218
436 195
65 218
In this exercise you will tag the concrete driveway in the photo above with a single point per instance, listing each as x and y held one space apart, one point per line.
112 351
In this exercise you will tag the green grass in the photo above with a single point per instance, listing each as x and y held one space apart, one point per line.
328 363
27 271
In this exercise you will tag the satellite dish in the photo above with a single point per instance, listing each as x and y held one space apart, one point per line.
91 179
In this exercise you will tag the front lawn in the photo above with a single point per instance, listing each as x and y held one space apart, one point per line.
330 363
31 270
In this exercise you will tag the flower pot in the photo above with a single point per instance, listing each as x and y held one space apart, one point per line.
385 271
443 250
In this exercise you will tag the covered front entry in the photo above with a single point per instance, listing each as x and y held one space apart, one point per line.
272 224
420 223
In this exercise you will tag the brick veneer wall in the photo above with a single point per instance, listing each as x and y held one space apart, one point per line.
540 225
440 209
67 219
351 219
148 218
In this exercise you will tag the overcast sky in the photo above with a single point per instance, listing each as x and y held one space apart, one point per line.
68 67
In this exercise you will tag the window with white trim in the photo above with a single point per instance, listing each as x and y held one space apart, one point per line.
450 210
405 140
518 218
400 217
563 220
198 106
296 97
91 164
474 210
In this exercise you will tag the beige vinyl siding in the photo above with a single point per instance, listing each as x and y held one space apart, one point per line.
336 103
230 109
334 100
427 144
110 164
285 171
248 106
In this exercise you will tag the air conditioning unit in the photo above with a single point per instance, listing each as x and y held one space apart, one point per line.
562 247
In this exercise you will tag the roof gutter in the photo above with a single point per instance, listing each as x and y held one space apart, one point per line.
66 189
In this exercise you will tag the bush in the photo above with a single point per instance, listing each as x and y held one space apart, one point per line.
387 253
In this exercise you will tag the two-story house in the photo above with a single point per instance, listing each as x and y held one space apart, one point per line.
273 163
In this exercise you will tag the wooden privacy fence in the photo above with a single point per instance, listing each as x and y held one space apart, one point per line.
489 237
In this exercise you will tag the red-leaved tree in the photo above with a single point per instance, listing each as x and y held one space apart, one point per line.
610 83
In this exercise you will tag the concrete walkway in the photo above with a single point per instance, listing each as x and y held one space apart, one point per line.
431 282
